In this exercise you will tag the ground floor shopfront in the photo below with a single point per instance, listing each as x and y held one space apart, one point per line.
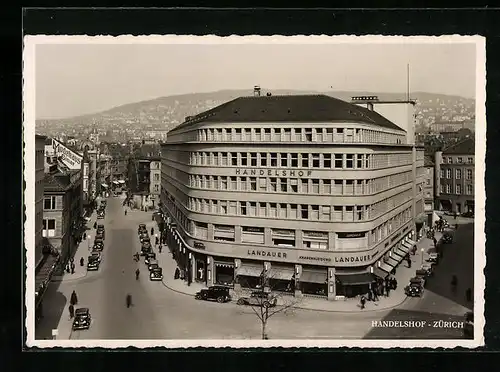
456 204
295 279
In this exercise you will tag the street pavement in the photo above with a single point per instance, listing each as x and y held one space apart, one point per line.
160 313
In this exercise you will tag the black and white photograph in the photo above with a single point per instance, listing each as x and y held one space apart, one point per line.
251 191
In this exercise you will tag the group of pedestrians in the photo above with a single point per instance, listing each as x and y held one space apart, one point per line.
381 287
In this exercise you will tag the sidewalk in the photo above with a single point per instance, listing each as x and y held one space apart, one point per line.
81 251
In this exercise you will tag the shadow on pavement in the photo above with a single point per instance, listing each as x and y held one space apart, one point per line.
54 304
457 259
408 324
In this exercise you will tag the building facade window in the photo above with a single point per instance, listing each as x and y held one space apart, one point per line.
448 173
458 174
469 190
458 189
470 160
469 174
49 203
442 175
49 228
448 189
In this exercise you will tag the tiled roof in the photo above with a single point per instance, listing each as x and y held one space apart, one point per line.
292 108
465 147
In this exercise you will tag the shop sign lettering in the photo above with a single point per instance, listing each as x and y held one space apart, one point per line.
262 253
70 158
273 172
353 259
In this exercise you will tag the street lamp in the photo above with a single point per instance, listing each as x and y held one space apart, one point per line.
422 256
88 241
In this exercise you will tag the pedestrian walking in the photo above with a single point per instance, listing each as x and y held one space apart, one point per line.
363 302
152 231
409 262
125 212
84 236
375 294
95 225
468 295
82 261
177 273
160 248
68 269
74 298
157 240
71 311
387 291
72 268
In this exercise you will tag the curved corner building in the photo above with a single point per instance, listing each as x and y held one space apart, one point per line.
319 194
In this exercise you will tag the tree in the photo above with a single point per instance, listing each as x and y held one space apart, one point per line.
267 299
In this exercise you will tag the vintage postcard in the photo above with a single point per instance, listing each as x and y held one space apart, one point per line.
249 191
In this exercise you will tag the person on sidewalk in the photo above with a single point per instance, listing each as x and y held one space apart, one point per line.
95 225
71 311
177 273
82 261
387 291
157 240
84 236
363 302
74 298
125 212
160 248
375 295
408 261
468 295
152 231
72 268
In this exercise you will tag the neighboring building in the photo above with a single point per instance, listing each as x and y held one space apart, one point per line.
62 211
429 189
144 182
450 126
318 193
39 180
455 177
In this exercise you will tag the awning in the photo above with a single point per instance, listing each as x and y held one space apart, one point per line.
280 273
121 181
411 242
224 264
398 254
377 271
104 185
355 279
392 261
313 276
402 252
387 268
250 271
405 247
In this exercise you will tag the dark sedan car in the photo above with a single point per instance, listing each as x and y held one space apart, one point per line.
82 319
261 299
215 293
92 264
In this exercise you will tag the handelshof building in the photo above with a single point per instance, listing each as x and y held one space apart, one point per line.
455 177
62 211
319 194
144 182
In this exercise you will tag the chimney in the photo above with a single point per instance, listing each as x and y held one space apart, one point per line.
256 91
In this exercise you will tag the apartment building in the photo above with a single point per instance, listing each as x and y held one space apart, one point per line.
319 194
455 177
39 180
144 181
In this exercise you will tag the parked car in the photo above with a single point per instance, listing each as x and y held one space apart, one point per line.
142 228
468 330
152 264
433 257
214 293
414 289
447 238
99 236
469 214
93 264
98 244
418 279
156 274
429 268
96 256
146 248
262 299
82 319
100 230
149 256
422 275
100 215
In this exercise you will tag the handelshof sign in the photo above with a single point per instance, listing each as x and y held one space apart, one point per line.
70 158
272 172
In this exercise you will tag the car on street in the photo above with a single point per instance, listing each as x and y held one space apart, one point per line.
259 298
99 236
82 319
142 228
100 230
100 214
146 248
447 238
144 237
93 264
428 267
98 245
96 256
433 258
214 293
148 257
156 274
414 289
422 275
153 264
469 214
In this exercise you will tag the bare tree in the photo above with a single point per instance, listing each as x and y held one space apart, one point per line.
267 299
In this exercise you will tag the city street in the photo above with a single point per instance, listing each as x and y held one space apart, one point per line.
159 313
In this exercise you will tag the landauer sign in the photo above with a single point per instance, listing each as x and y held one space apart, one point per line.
70 158
273 172
338 259
263 253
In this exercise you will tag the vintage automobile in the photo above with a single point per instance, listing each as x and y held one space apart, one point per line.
429 268
142 228
422 275
104 203
468 329
433 257
144 237
148 257
82 319
100 215
93 263
96 256
414 289
146 248
447 238
100 230
258 298
214 293
98 245
156 274
152 264
99 236
469 214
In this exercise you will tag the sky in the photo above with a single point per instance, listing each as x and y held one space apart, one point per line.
77 79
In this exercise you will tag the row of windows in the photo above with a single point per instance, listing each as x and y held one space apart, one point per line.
302 186
335 213
447 174
300 160
49 228
388 227
458 160
446 189
340 135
